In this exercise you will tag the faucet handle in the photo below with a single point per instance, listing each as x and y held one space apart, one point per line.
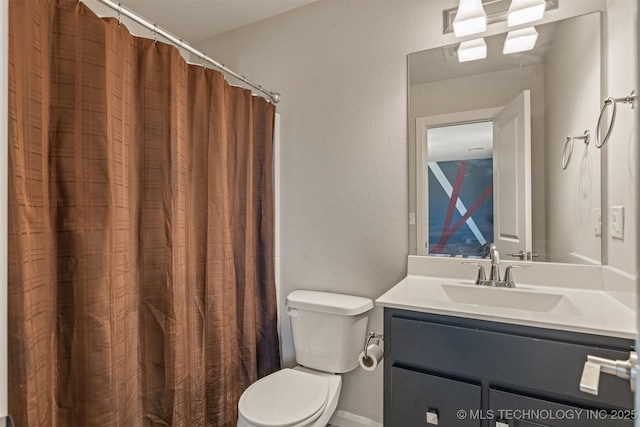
481 275
508 275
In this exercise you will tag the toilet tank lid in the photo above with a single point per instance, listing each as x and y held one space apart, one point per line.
328 302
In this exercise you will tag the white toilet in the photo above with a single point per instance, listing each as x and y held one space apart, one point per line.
329 331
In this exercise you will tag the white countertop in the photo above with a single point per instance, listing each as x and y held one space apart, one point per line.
587 310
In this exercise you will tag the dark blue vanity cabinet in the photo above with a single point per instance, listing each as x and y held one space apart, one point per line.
452 371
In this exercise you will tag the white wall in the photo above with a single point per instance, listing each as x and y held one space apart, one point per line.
620 151
341 69
4 116
572 104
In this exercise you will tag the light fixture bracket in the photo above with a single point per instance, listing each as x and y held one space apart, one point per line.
496 11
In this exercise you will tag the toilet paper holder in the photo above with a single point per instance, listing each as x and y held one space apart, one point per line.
372 336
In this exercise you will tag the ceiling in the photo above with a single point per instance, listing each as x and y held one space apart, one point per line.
197 20
461 141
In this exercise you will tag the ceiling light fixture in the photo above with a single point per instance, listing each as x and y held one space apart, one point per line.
520 40
470 18
523 11
496 10
472 50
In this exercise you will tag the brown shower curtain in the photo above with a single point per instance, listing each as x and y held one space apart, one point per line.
141 283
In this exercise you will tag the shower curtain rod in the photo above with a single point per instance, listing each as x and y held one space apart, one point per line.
273 96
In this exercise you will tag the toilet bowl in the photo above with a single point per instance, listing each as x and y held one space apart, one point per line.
297 397
328 331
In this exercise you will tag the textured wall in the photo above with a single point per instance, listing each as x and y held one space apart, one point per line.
341 69
620 152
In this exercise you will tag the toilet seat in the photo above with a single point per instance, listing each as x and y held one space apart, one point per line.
285 398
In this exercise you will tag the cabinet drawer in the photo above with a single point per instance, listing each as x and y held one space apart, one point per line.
524 411
415 393
551 367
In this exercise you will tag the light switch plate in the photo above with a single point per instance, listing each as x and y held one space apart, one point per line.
597 222
617 222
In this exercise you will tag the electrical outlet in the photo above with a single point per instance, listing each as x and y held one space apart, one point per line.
597 222
617 222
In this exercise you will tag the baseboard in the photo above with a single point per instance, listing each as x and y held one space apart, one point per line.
347 419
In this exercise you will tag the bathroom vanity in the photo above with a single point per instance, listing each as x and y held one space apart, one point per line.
458 354
471 373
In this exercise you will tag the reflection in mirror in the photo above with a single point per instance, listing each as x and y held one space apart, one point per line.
460 163
486 140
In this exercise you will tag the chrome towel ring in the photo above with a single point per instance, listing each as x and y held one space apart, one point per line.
613 102
568 147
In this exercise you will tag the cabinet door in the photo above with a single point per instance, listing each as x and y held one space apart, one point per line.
419 399
522 411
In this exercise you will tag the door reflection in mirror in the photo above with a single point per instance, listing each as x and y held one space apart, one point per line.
460 189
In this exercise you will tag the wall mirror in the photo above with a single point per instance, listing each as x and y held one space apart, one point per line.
486 143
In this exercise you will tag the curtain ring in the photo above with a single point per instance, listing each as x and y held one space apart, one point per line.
155 33
119 14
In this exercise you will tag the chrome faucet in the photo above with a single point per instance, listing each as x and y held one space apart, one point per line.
495 262
494 275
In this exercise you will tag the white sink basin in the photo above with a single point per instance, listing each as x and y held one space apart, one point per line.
583 299
514 299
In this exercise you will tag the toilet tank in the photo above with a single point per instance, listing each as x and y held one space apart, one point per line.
329 330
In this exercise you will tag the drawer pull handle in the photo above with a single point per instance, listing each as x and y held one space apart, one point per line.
625 369
432 417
